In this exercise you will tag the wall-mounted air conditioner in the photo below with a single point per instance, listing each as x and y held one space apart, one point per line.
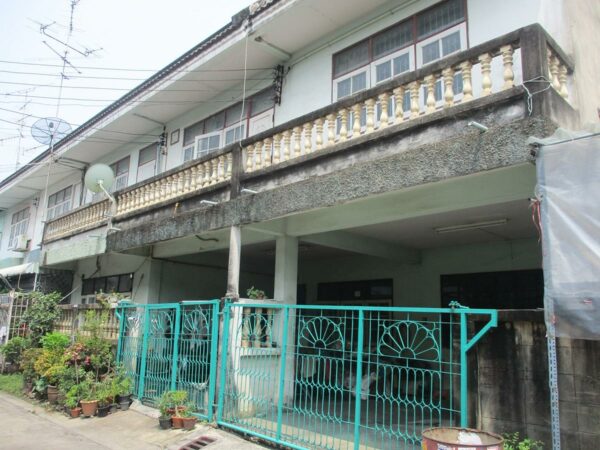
21 243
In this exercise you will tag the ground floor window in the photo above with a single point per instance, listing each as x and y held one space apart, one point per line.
515 289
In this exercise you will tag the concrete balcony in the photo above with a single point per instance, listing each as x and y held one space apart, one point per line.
391 137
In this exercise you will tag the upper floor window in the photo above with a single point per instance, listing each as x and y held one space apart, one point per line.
121 170
18 226
428 36
229 126
59 202
147 162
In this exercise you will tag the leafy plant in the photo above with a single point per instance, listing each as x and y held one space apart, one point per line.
88 388
55 342
255 294
27 366
13 349
72 396
40 316
512 441
104 392
50 365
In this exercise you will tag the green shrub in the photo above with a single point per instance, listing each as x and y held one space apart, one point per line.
55 342
512 441
13 349
40 316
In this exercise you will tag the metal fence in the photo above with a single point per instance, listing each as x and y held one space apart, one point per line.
171 346
335 377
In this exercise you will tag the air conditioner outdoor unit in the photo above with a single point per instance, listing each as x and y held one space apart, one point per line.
21 244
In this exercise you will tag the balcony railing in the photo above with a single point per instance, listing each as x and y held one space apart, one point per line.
72 320
526 56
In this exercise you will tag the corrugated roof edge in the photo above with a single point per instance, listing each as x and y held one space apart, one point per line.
235 23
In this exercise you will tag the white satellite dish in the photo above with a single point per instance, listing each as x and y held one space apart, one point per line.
99 178
50 130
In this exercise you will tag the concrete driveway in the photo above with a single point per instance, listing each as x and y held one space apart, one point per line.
28 426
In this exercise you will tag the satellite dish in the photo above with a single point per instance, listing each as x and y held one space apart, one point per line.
99 178
49 130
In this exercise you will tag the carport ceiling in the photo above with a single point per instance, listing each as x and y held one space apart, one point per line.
420 232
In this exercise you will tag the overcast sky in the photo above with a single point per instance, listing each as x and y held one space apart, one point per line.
143 35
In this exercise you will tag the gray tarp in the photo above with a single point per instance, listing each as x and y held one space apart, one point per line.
569 193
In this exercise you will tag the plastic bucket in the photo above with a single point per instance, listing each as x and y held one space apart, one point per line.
452 438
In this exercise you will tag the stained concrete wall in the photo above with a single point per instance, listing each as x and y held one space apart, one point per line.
510 382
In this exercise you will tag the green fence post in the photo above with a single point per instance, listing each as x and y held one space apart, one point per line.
121 317
174 364
144 351
224 355
359 357
284 338
463 369
214 338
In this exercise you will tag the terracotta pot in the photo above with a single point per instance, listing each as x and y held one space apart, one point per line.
171 411
177 422
52 393
89 408
75 412
188 423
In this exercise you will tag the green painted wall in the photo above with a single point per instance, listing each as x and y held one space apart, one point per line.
419 284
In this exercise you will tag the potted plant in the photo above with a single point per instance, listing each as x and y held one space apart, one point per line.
104 394
89 400
255 294
72 402
122 388
164 406
177 401
188 420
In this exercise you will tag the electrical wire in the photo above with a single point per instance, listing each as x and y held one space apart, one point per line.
121 69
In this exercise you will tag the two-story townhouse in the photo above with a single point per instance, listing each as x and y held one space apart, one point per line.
341 153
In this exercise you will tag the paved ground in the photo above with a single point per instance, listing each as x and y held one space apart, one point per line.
25 426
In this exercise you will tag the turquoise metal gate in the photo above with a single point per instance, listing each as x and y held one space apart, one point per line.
331 377
171 346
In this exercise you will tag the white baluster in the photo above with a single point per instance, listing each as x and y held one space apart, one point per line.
287 138
297 145
277 148
414 99
370 122
319 131
258 155
430 85
344 124
554 63
221 168
307 137
268 151
399 104
356 112
448 76
486 70
229 165
465 70
249 157
507 60
330 129
383 104
562 77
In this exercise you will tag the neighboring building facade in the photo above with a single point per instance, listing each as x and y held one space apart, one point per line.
346 162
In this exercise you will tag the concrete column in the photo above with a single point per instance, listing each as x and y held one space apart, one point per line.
233 271
286 269
286 287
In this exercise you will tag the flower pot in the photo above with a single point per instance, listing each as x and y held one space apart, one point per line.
113 408
103 410
164 422
89 408
177 422
171 411
124 405
188 423
75 412
52 393
123 398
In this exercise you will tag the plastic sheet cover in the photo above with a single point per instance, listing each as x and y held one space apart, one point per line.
569 193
